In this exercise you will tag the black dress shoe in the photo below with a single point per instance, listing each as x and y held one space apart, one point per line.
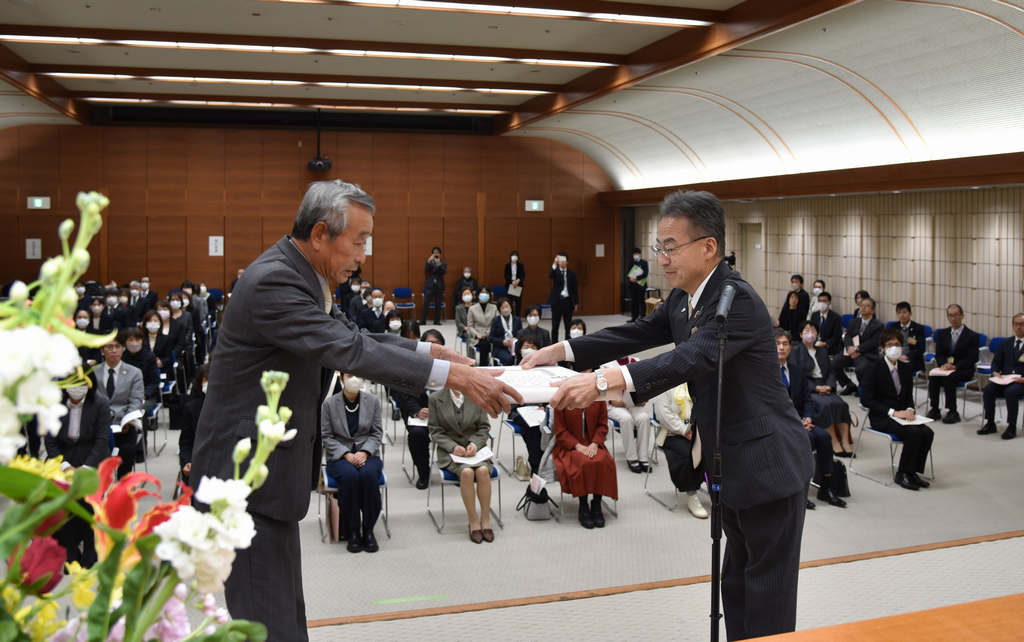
370 542
810 505
988 429
1010 432
634 467
422 483
906 481
585 519
355 543
934 414
842 453
437 323
848 391
595 513
645 467
826 495
917 480
952 417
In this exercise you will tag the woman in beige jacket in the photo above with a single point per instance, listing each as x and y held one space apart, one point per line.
480 317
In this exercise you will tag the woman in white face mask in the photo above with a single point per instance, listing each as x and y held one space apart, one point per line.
532 328
515 276
190 420
352 431
160 344
462 312
170 326
83 440
481 314
504 329
390 323
830 411
83 321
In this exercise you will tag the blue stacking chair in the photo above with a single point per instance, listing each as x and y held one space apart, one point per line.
499 291
846 320
448 479
329 486
408 302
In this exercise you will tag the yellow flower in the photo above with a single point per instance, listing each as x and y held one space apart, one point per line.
117 592
49 469
83 585
11 597
45 624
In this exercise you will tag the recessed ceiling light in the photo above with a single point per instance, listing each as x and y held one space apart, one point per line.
257 15
154 8
74 51
535 71
493 27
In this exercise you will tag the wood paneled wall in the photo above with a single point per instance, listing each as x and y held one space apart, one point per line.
170 189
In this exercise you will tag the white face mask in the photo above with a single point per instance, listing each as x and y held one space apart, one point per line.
893 353
204 386
133 346
202 289
514 259
527 351
394 324
122 300
144 286
135 293
795 286
152 326
175 304
97 310
484 297
377 302
824 306
467 275
355 288
80 290
809 337
467 298
82 323
505 312
817 291
111 301
533 320
636 257
575 333
164 314
184 303
353 385
78 392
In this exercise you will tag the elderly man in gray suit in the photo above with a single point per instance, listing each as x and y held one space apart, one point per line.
122 385
766 464
282 318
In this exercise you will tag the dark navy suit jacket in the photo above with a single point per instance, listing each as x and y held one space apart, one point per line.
556 288
1005 361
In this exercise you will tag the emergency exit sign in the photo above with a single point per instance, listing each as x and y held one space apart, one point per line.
534 206
38 202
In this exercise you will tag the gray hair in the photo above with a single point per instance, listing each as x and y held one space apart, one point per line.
328 201
702 210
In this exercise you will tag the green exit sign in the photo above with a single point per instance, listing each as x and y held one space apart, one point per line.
534 206
38 202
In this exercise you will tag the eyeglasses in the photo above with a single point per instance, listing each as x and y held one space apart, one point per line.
669 251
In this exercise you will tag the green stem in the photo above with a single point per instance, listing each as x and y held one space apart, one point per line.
155 606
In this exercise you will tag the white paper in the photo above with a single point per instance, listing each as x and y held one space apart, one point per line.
480 457
535 384
532 415
515 290
918 420
1002 380
131 417
939 372
634 272
416 421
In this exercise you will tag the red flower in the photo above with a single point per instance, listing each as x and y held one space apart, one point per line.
43 560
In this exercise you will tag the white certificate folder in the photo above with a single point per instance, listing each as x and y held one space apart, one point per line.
535 384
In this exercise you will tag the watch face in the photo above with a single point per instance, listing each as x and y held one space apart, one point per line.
602 384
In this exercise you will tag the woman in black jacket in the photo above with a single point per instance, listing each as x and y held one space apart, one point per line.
190 420
417 408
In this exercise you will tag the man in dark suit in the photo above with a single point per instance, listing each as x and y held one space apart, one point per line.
1008 360
956 352
433 286
887 392
282 318
564 297
830 326
913 337
861 343
148 298
238 275
637 285
371 314
766 462
796 382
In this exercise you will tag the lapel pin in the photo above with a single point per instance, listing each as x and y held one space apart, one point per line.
693 330
697 313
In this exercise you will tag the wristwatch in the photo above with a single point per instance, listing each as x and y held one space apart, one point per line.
602 384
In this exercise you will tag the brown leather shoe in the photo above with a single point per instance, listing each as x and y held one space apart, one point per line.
488 535
476 536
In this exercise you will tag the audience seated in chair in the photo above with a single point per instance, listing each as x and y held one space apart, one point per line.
390 322
861 343
172 328
461 309
583 463
857 299
369 315
138 354
481 315
816 303
418 437
102 323
466 281
799 388
350 423
190 420
791 314
90 356
914 338
459 427
676 439
887 393
504 329
122 386
956 351
159 343
348 292
829 324
830 410
115 311
634 426
532 328
83 441
360 302
147 297
1008 360
409 329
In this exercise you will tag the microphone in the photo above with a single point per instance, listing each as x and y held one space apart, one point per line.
728 291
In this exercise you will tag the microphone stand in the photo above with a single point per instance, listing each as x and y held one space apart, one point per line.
716 490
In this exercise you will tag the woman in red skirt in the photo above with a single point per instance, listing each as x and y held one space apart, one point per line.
584 465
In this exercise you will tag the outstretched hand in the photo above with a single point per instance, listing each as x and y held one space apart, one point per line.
549 356
445 353
483 388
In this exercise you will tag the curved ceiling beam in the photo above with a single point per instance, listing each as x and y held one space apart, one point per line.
862 78
657 128
15 71
910 156
615 151
975 12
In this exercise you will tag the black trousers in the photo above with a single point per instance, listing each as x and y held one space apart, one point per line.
1012 393
266 581
821 445
948 385
358 493
561 312
517 304
842 361
484 346
437 296
531 435
917 441
419 448
503 355
761 567
75 533
637 305
678 450
126 442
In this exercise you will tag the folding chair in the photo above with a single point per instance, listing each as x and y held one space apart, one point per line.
654 448
151 423
329 486
408 302
449 479
405 447
894 446
516 430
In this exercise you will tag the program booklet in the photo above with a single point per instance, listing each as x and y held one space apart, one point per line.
535 384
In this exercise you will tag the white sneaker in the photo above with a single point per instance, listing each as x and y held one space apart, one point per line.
696 509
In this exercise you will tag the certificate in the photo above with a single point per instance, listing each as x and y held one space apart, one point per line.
535 384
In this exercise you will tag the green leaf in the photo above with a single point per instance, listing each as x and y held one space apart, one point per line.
238 631
18 484
139 583
99 612
9 631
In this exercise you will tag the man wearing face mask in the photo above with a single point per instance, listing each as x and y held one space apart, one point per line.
369 316
138 354
282 318
116 313
433 286
636 274
148 297
359 302
565 296
466 281
515 276
796 284
533 329
887 393
831 334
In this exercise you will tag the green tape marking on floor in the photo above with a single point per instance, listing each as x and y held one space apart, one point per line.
411 599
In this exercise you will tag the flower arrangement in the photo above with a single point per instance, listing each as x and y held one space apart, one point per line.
151 567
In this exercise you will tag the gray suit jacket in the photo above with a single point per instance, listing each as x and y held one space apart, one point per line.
277 321
764 445
334 426
129 392
448 432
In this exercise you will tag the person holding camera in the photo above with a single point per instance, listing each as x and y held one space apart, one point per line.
433 287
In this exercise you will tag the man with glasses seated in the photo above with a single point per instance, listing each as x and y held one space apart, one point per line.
956 350
122 386
1008 360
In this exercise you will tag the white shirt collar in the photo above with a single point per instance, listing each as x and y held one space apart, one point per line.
696 295
892 365
321 279
458 400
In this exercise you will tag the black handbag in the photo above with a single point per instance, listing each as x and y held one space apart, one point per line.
535 505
